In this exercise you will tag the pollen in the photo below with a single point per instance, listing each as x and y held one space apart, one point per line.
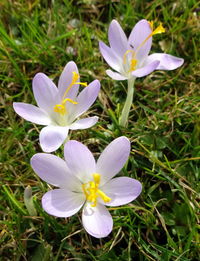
160 29
92 191
61 108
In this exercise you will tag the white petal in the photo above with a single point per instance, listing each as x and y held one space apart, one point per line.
45 92
110 57
54 171
66 79
52 137
115 75
79 160
167 61
86 98
113 158
121 190
31 113
117 39
97 221
62 203
84 123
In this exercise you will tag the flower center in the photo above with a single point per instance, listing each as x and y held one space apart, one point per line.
61 108
92 191
133 63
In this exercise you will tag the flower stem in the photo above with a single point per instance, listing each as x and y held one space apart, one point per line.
127 106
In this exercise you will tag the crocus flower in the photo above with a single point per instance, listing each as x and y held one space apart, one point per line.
58 108
129 57
83 182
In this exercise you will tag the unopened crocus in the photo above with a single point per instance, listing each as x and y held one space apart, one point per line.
129 57
59 108
83 182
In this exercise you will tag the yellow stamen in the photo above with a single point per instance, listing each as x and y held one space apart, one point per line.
92 191
61 108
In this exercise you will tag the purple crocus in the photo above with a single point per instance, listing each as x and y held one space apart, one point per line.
58 108
130 57
83 182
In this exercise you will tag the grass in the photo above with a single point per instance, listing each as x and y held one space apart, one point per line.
164 128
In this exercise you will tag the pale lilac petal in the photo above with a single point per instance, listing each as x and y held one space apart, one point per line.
121 190
167 61
137 38
79 160
84 123
110 57
54 171
145 70
31 113
52 137
117 39
97 221
45 92
86 98
113 158
116 76
66 79
62 203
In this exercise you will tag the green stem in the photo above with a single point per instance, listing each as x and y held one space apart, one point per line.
127 106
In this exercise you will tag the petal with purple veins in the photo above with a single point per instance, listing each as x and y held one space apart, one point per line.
121 190
31 113
167 61
84 123
79 160
117 39
54 171
86 98
116 76
97 221
52 137
62 202
113 158
146 69
110 57
45 92
66 79
138 39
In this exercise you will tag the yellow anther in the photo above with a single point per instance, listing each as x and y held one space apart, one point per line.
160 29
92 191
